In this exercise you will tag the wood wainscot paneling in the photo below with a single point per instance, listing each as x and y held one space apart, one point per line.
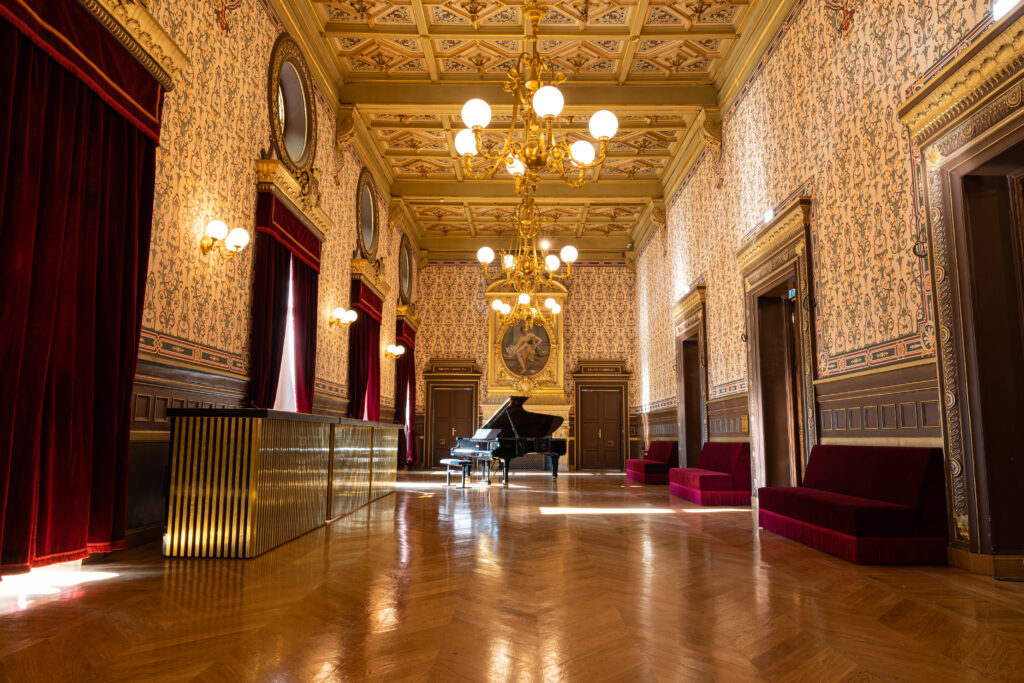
728 419
636 444
661 425
896 406
328 404
161 385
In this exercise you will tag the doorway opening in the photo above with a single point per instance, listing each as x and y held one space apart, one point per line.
778 350
691 399
990 199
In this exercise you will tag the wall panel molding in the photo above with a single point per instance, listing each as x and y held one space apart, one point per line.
890 404
728 419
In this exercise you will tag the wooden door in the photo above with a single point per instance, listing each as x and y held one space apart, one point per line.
600 429
776 346
452 414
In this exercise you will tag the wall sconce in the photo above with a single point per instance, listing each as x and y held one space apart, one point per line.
394 350
226 243
342 318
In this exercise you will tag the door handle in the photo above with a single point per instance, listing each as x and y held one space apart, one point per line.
600 434
453 431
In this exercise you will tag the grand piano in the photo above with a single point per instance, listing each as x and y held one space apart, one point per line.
519 433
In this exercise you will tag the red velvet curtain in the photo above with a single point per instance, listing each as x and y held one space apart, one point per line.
272 261
305 283
405 405
364 368
76 202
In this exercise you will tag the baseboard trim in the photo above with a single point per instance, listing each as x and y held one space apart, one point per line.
1009 567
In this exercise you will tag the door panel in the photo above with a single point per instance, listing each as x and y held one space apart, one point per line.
452 414
600 429
689 374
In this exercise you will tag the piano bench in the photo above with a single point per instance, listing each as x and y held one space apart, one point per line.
455 465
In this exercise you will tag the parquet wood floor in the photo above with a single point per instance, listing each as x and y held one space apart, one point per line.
437 584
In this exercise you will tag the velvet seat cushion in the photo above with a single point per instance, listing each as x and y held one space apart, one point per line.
846 514
647 466
701 480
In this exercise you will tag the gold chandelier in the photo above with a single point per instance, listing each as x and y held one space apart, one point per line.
528 271
535 141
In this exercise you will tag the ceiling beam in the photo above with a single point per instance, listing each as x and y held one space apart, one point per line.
653 98
437 154
337 29
608 191
422 28
639 17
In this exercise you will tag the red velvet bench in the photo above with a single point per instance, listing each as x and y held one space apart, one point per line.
654 466
865 504
722 476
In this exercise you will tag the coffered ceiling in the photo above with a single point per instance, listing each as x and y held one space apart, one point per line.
401 70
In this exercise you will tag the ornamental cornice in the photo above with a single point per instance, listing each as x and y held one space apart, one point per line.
972 76
135 28
372 273
689 304
408 314
301 196
787 225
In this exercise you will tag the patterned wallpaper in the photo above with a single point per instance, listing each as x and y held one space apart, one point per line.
600 317
818 115
215 125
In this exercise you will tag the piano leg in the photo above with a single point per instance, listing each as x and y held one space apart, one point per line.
552 459
504 472
487 471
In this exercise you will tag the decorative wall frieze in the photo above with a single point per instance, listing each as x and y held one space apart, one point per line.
136 29
967 80
301 195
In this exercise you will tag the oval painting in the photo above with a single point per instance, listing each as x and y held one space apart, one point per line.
525 350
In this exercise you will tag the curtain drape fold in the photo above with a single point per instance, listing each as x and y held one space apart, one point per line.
272 261
76 204
305 281
405 405
364 368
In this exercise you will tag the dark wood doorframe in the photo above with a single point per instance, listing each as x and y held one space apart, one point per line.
689 322
780 253
447 373
599 374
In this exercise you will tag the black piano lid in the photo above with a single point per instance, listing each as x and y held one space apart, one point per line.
515 421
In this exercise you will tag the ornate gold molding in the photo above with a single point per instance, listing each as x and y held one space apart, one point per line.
550 381
790 223
372 273
302 198
967 80
136 29
409 314
709 125
345 128
689 304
